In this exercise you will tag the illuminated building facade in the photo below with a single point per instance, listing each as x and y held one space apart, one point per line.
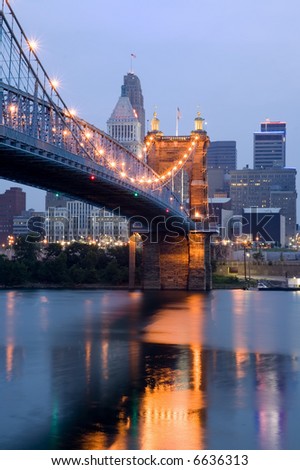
84 222
263 188
269 145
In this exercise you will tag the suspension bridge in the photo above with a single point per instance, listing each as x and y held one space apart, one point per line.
43 143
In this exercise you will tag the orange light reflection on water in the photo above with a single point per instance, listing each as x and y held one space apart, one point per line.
172 412
178 324
175 408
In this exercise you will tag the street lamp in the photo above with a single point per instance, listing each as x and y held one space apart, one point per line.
245 264
248 256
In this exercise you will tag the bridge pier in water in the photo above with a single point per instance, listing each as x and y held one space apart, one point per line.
184 265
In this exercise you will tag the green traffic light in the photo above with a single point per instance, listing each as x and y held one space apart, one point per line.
136 194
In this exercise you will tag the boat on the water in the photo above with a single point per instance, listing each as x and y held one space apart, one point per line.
264 286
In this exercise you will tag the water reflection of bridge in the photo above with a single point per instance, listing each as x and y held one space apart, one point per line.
119 381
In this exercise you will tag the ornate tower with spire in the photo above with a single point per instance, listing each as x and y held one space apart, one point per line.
124 126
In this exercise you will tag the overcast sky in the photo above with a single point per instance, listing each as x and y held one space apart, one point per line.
237 60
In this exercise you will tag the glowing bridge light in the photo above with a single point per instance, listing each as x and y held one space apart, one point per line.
55 83
70 112
12 108
33 44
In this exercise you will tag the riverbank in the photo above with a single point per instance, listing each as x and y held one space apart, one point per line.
41 286
219 282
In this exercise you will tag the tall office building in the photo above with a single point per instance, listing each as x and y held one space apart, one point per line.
221 158
124 126
273 126
222 154
266 188
12 203
132 88
269 145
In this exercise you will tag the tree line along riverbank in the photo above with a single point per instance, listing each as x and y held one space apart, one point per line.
31 264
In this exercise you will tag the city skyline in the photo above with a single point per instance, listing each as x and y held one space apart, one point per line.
236 82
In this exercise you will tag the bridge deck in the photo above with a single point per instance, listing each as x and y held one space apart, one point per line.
30 161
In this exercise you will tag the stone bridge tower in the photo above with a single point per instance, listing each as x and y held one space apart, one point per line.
181 160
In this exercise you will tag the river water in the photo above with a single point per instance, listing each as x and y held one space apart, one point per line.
153 370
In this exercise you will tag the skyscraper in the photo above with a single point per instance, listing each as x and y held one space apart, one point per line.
124 126
132 88
222 154
221 158
269 145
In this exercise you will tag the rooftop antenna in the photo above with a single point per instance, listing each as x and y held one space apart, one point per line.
132 56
